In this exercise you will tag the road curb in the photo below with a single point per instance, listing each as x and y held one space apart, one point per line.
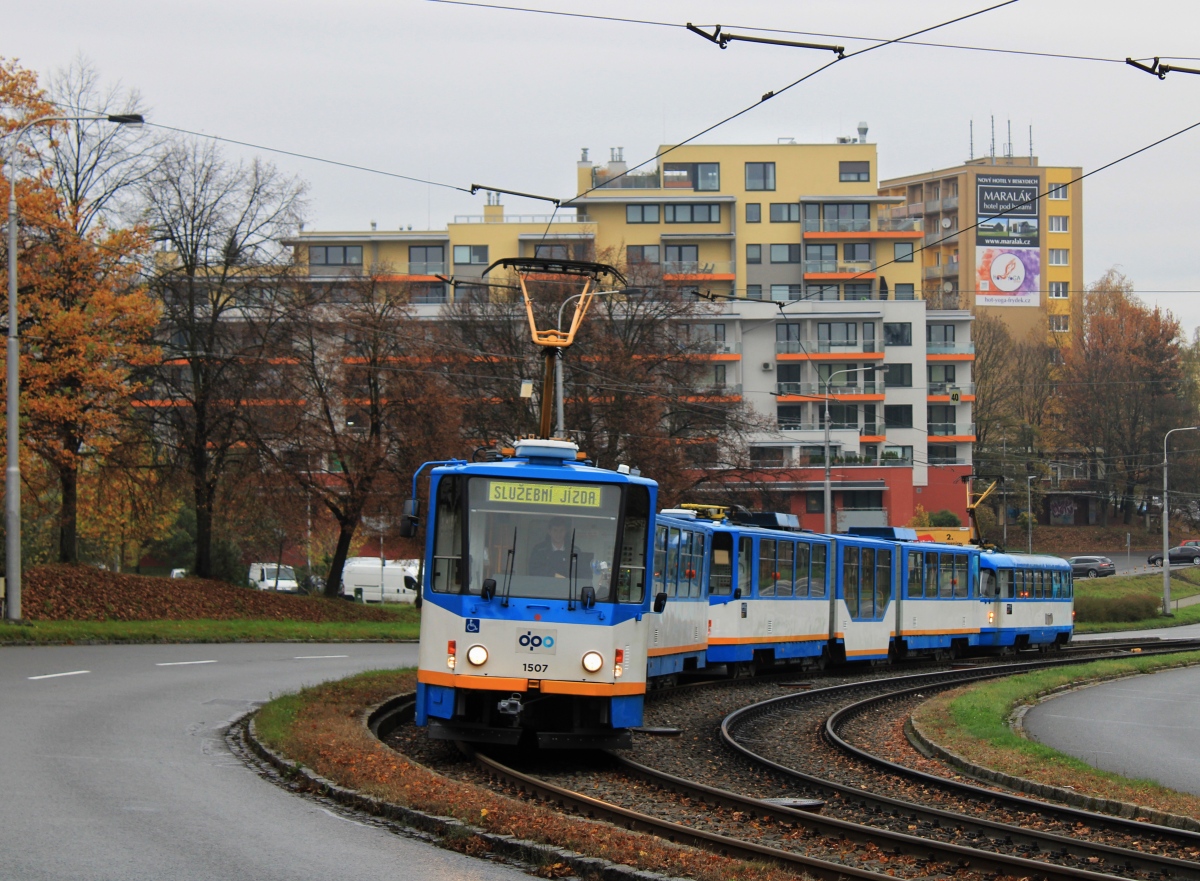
1043 790
435 827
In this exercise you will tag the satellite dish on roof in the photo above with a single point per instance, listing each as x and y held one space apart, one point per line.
947 286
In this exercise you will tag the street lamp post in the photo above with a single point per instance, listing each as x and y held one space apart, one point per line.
560 431
1166 560
828 483
12 472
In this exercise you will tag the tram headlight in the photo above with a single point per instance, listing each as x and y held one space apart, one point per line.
593 661
477 655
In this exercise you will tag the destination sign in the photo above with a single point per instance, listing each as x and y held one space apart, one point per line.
566 495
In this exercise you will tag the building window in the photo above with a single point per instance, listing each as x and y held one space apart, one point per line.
1060 324
902 252
552 252
754 253
821 258
939 333
1057 191
687 213
425 292
857 290
940 375
476 254
837 333
1058 223
897 334
898 415
785 212
760 175
426 259
814 502
785 253
904 292
943 454
847 375
753 212
641 214
898 376
862 499
335 255
857 252
846 216
718 376
753 292
851 172
781 293
822 292
642 253
705 176
1059 290
682 258
1058 256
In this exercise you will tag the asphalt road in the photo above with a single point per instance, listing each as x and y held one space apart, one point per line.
1142 727
114 767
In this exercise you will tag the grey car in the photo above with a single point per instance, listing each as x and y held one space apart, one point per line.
1092 567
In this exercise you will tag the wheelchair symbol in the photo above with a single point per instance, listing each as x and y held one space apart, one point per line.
472 625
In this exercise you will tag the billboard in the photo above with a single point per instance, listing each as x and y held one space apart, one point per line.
1007 245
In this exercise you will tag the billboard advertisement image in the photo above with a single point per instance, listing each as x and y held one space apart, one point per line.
1007 246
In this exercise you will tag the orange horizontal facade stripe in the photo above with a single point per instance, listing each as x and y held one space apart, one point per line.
676 649
951 438
838 276
849 399
592 689
830 356
403 277
950 357
935 399
871 234
872 438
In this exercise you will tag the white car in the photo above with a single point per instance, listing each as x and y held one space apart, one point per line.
270 576
392 582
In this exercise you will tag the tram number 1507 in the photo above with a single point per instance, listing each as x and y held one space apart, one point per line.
535 668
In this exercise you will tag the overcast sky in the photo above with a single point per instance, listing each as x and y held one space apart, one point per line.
466 95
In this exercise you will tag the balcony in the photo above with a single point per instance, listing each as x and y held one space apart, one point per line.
884 223
950 203
839 266
950 348
643 180
422 268
943 388
951 429
817 389
716 391
683 269
933 206
523 218
940 237
797 425
810 347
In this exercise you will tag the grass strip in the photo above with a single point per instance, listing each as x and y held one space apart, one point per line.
321 729
207 630
973 722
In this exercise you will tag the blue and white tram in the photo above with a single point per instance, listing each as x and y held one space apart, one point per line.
1028 601
534 594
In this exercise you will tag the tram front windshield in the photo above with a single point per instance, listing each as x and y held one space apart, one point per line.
544 540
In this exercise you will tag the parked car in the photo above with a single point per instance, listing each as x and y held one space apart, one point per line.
1190 543
179 573
361 579
268 576
1181 554
1092 567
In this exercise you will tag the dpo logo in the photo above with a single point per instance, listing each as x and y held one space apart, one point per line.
541 641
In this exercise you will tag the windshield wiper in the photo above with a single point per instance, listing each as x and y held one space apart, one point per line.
508 569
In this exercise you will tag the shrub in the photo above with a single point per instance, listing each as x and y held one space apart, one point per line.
1139 607
944 518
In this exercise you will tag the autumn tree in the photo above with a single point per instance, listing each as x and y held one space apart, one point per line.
992 410
357 401
218 279
80 291
1123 382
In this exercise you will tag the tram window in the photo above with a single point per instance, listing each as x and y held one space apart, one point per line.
915 586
987 584
1004 584
673 561
660 559
631 579
1020 585
787 572
766 568
720 570
817 578
448 538
866 599
850 579
946 576
696 565
973 578
745 564
931 575
960 576
803 558
883 580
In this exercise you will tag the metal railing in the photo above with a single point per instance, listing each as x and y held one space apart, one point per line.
883 223
817 389
847 266
943 388
951 429
523 218
646 180
808 347
425 267
698 267
949 348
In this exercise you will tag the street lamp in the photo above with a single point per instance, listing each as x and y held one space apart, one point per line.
1029 508
560 431
12 473
828 484
1166 560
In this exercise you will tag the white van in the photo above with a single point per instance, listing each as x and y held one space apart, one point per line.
363 574
269 576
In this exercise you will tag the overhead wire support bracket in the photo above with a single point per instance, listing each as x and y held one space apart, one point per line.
1161 70
723 40
475 188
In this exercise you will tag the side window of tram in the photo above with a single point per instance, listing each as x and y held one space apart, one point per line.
785 567
660 559
850 579
720 570
961 583
673 540
817 579
1006 584
931 575
766 567
745 565
448 539
803 561
915 587
947 577
883 579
